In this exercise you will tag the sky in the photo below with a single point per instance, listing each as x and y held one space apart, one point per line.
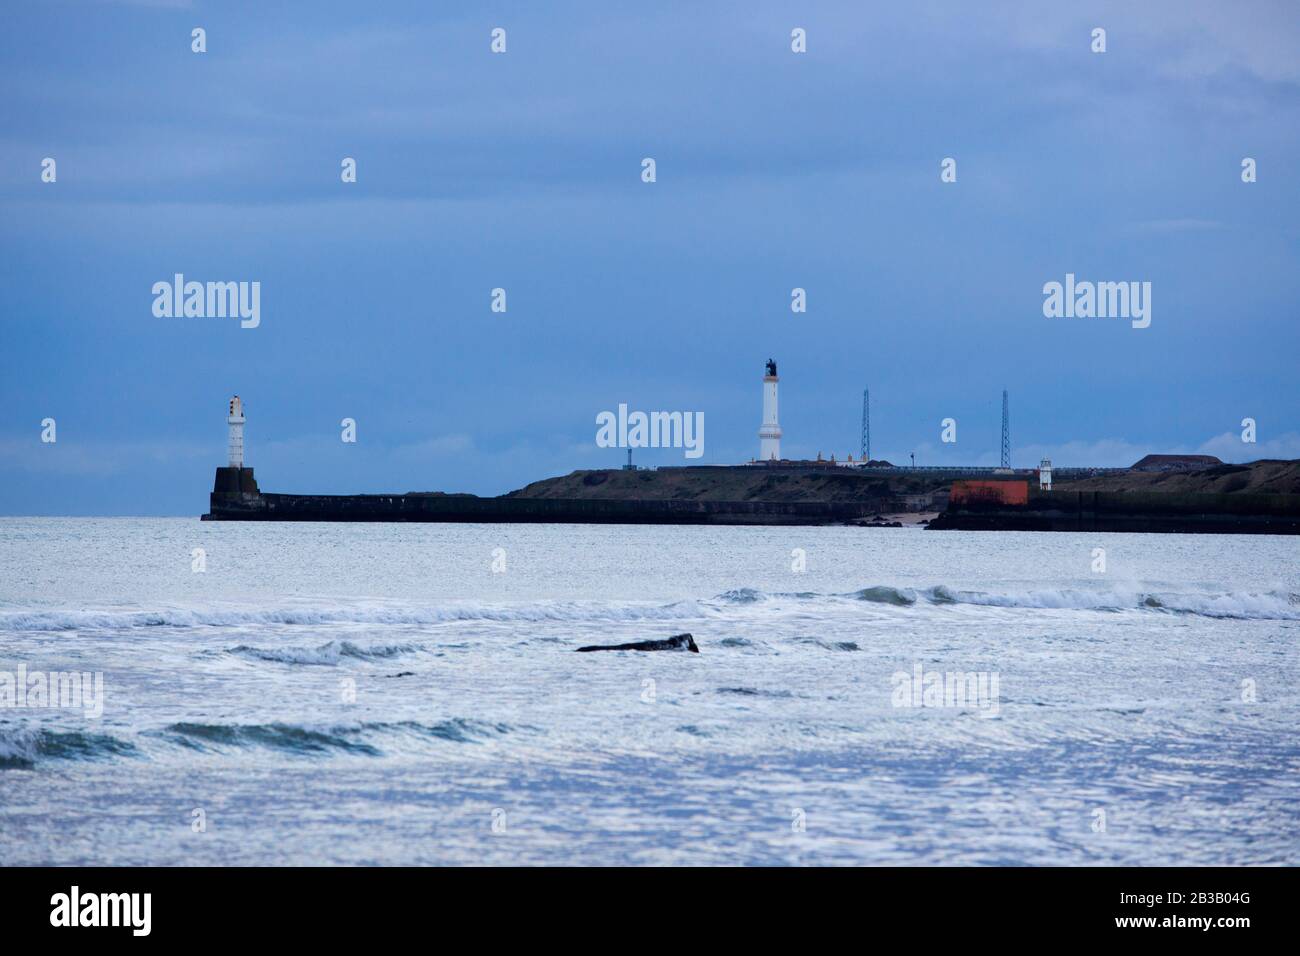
522 170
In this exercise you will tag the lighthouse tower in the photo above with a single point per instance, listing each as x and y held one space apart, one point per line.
234 485
769 435
236 422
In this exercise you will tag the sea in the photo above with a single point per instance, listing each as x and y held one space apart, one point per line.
176 692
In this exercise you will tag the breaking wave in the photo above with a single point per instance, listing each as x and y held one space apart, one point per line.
755 596
1247 605
1236 605
327 654
829 645
1240 605
41 619
754 692
735 642
22 747
308 740
899 597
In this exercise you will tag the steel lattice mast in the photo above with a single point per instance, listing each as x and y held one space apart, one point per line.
1006 431
866 424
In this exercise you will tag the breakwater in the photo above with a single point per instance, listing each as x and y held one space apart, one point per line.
235 497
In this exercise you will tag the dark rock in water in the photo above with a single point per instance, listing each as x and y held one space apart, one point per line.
402 674
678 642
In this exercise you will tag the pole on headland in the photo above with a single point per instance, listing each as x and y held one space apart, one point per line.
866 425
1006 431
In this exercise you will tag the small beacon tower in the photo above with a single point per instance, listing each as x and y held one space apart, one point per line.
236 422
234 485
1045 474
769 434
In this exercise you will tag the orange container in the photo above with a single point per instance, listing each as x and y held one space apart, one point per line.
970 491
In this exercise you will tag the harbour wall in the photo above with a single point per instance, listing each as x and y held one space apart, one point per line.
235 497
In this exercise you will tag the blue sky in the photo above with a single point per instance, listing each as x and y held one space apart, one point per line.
522 171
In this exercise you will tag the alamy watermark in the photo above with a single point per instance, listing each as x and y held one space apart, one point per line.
65 689
974 690
1099 300
209 300
651 430
75 908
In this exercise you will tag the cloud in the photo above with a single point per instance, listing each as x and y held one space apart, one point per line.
1102 453
1120 453
1184 39
434 449
68 456
1230 447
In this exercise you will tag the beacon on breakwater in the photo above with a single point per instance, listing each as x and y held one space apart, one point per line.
234 480
235 419
769 434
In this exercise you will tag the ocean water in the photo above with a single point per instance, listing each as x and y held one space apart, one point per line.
381 694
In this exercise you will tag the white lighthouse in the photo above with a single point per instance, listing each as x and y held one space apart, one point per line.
769 434
236 422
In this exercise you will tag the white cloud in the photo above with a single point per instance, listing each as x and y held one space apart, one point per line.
1230 447
68 456
1120 453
